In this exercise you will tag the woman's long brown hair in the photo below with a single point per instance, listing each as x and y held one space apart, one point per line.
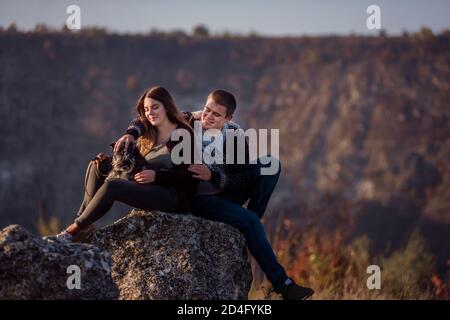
174 114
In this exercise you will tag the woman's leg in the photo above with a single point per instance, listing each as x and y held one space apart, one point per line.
141 196
94 179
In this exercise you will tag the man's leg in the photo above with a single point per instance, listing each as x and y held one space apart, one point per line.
219 209
262 186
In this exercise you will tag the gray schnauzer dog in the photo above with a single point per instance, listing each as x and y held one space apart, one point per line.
126 163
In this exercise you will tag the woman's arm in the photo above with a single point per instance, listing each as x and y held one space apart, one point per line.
175 177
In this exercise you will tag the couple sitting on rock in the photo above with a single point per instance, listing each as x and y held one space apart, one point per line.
215 191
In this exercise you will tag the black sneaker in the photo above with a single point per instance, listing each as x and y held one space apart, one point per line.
295 292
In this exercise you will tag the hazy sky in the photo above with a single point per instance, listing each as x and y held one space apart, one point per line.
266 17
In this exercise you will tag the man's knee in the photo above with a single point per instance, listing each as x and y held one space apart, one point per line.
267 166
270 166
251 221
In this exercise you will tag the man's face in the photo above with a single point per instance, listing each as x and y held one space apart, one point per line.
214 115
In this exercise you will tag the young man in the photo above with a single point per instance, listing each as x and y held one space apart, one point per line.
225 187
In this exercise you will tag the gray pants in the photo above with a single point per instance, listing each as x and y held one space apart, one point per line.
99 196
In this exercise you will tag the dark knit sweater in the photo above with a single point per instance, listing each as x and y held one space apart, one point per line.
179 177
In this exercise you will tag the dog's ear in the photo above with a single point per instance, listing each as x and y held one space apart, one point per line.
112 145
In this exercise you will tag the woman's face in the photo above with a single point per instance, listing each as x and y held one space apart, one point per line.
155 112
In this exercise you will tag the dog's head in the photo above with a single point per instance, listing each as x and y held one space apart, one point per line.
123 163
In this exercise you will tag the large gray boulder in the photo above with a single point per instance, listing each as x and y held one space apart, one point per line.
159 255
145 255
36 268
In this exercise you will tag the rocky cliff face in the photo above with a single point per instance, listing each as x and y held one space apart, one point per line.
146 255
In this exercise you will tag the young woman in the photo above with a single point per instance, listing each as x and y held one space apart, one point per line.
162 185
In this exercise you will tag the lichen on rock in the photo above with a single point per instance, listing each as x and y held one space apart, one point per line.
145 255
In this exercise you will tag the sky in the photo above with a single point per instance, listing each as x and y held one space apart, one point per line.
271 18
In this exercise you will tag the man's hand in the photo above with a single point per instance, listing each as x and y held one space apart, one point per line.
200 171
125 141
145 176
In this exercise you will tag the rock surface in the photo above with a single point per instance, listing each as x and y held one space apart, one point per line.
145 255
175 256
35 268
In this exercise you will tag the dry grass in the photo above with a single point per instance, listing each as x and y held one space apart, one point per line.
337 269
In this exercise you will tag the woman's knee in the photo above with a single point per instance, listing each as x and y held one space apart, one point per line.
96 170
91 168
104 167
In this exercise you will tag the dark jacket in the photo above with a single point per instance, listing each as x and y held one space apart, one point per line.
179 177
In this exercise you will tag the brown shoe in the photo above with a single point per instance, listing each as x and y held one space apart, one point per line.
84 233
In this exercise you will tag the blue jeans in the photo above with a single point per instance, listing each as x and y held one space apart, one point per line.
226 207
259 189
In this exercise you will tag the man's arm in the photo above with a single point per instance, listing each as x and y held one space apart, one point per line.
237 180
136 128
236 176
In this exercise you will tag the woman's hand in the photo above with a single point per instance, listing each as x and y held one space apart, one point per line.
145 176
125 140
200 171
100 158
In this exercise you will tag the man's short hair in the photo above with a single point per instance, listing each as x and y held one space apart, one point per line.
224 98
